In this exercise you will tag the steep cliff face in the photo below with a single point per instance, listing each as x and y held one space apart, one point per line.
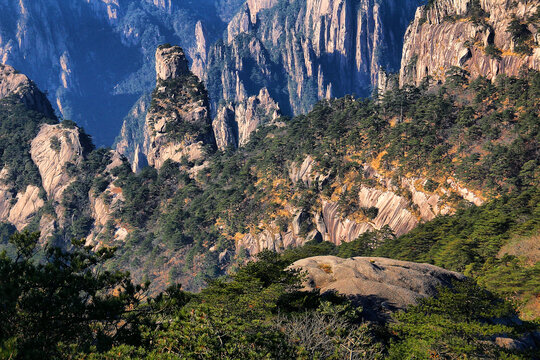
235 122
486 38
15 84
178 122
53 148
401 207
65 47
131 138
305 51
21 195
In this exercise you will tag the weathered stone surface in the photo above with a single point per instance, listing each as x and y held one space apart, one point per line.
130 142
13 83
171 62
235 123
27 205
323 48
178 122
396 210
442 35
379 284
51 150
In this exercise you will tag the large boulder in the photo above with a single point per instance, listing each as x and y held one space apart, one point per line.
380 285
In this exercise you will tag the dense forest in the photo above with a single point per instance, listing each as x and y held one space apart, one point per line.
70 307
74 302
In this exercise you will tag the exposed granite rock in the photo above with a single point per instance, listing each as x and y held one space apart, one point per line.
130 142
303 51
66 46
200 53
19 86
178 122
401 208
105 203
444 35
235 123
379 284
27 205
171 63
51 150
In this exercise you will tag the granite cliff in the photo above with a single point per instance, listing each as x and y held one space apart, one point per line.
486 38
65 47
305 51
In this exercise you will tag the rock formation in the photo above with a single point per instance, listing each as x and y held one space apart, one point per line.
17 85
379 284
470 34
131 138
178 122
52 149
401 207
51 41
302 51
235 122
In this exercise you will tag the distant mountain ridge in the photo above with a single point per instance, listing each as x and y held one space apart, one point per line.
95 58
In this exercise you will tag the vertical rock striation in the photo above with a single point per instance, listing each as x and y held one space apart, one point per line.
235 122
303 51
472 35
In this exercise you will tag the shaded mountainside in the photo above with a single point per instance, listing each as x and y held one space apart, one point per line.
301 52
95 57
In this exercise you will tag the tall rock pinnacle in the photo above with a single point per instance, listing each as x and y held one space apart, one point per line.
178 122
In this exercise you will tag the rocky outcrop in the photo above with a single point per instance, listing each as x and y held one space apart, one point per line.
400 206
52 149
178 122
198 64
469 34
235 122
302 51
379 284
171 63
65 48
22 89
103 204
130 142
27 205
18 209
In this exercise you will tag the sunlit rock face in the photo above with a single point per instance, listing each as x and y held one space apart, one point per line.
468 34
381 285
178 122
303 51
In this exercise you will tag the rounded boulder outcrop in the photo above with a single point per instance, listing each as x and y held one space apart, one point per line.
380 285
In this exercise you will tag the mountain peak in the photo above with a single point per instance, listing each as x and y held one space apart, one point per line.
171 62
14 83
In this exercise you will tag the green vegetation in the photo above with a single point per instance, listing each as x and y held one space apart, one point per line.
493 51
481 133
521 36
185 89
69 307
482 242
18 126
